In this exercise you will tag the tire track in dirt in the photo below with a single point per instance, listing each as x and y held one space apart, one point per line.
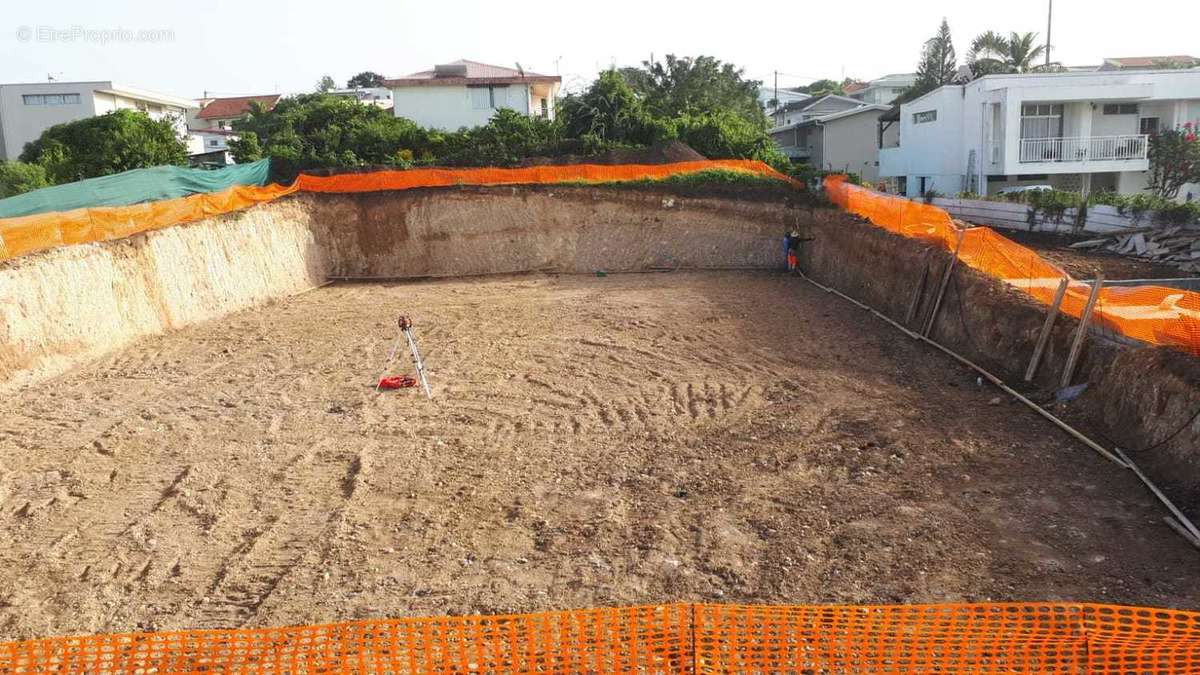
304 494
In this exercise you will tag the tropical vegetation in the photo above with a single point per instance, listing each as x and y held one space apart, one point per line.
100 146
701 101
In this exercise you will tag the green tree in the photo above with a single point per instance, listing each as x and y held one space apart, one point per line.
319 131
325 85
245 148
19 177
1174 161
727 135
994 53
364 80
506 139
100 146
824 88
610 112
691 85
937 67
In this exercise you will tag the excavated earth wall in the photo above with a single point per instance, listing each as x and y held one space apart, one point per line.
69 305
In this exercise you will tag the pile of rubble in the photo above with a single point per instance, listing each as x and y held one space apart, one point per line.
1177 246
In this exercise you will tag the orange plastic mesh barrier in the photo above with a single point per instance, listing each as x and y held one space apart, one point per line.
29 234
592 173
682 638
1156 315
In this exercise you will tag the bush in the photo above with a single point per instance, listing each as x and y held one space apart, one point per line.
505 140
1051 203
18 177
312 131
100 146
726 135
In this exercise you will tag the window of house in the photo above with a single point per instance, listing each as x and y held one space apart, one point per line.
489 97
925 116
546 107
212 143
50 99
1120 109
1041 120
1148 126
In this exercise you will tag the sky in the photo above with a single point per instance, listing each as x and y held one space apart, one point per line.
239 47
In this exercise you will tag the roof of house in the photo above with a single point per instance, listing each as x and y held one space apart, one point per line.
1149 61
891 78
854 86
469 72
831 117
812 102
223 108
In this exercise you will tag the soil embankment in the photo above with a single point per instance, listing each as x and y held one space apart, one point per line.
69 305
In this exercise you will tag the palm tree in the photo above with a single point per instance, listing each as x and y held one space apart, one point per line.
995 53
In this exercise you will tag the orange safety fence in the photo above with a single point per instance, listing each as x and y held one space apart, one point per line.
1157 315
29 234
534 175
678 638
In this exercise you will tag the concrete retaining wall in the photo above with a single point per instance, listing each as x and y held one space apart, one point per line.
1101 219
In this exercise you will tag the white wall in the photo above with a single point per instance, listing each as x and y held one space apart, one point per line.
933 150
1112 125
20 123
449 108
105 103
850 145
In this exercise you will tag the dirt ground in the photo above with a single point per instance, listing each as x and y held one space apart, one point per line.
1083 264
724 437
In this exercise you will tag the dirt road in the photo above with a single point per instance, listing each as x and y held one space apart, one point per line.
593 441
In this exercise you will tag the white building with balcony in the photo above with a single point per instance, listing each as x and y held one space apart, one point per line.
1074 131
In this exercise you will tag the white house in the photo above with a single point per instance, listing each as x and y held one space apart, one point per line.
843 140
210 127
1075 131
220 113
883 90
813 107
468 94
26 110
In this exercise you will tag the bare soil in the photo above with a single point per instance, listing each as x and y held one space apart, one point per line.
728 437
1083 264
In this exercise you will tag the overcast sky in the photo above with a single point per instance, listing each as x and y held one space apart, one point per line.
246 47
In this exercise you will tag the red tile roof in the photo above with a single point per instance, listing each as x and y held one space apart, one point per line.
854 86
1151 61
226 108
475 73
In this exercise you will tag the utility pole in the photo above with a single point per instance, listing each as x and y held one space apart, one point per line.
775 113
1049 23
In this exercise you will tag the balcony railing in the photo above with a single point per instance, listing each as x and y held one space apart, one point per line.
1084 148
